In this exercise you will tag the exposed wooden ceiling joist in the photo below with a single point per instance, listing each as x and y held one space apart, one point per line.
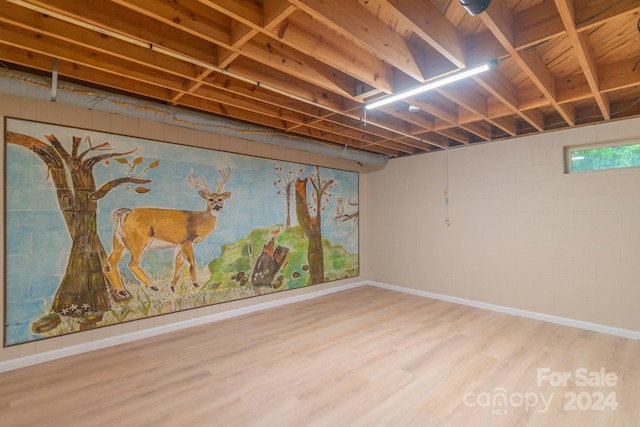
307 67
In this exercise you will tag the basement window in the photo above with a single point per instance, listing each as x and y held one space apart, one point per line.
614 155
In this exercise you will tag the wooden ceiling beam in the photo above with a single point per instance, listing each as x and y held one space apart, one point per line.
110 46
462 94
478 129
430 25
454 134
244 28
620 75
192 86
345 113
44 62
442 141
421 146
584 53
354 126
249 13
449 115
400 147
356 131
195 18
536 25
224 102
611 78
274 12
432 64
36 25
593 13
534 117
500 21
542 22
236 87
281 57
466 116
477 105
114 17
359 26
260 49
303 33
506 92
328 132
348 126
402 129
63 50
427 22
393 123
366 141
530 97
306 67
443 137
484 47
409 117
508 125
274 79
300 33
180 13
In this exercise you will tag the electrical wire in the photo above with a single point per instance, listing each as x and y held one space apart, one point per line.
608 8
446 187
552 125
628 107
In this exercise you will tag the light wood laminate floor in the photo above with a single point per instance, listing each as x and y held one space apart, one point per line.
361 357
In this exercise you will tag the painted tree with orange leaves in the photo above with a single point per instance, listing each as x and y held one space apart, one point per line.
84 288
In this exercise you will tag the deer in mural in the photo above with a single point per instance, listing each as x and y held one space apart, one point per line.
136 230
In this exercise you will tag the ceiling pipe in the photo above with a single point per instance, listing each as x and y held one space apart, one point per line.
36 87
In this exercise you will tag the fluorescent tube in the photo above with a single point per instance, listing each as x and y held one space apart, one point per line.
429 86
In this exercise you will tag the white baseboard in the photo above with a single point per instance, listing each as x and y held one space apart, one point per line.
625 333
133 336
121 339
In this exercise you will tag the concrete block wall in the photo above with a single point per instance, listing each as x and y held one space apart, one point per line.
523 233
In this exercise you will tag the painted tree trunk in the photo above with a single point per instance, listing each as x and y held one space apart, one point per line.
268 264
312 227
288 195
84 288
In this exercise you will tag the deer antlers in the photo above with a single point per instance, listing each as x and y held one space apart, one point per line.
201 183
225 176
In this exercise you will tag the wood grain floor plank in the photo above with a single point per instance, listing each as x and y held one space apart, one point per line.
362 357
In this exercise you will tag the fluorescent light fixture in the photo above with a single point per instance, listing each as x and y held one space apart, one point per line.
430 85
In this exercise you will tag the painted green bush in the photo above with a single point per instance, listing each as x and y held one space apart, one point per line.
234 267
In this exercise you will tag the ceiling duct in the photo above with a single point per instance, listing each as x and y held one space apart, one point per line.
36 87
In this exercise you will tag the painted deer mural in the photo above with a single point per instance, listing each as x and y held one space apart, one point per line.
136 230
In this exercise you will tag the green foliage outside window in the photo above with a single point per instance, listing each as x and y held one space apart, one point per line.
610 157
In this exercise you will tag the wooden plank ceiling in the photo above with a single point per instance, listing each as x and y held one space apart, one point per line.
307 67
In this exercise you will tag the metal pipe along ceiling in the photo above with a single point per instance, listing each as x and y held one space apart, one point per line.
41 88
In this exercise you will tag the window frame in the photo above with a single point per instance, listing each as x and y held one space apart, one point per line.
569 150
